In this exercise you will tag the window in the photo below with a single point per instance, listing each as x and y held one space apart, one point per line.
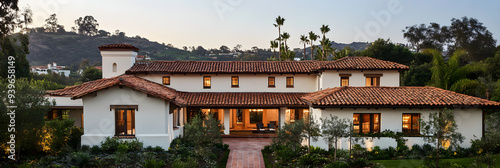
114 67
289 82
366 123
344 79
206 82
124 122
373 79
235 81
239 116
411 125
256 116
166 80
270 82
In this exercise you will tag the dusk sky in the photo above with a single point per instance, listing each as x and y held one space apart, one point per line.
212 23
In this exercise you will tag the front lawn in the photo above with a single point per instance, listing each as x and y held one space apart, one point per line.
410 163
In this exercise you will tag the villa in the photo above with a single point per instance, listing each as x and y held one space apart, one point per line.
62 70
152 100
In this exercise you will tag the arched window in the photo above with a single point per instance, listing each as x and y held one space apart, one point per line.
114 67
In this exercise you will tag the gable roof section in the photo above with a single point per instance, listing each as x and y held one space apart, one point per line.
133 82
362 63
261 67
392 97
239 99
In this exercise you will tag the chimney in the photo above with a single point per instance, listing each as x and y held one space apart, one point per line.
49 66
54 64
117 58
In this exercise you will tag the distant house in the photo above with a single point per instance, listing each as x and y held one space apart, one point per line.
52 67
151 101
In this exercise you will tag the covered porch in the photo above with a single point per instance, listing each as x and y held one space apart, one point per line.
247 114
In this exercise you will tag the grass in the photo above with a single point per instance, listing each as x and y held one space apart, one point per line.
414 163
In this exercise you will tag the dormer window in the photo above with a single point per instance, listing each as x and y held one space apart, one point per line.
344 79
114 67
373 79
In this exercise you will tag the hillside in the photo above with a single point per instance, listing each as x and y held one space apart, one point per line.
69 48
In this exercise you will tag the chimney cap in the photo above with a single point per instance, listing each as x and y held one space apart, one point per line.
118 47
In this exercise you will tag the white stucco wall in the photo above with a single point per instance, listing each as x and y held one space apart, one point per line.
123 59
247 82
65 101
468 120
331 78
151 119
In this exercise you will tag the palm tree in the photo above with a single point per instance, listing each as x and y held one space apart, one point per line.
285 36
304 40
278 24
313 37
274 45
324 29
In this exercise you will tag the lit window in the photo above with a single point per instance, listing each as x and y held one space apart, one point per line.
125 122
166 80
411 125
344 81
206 82
114 67
366 123
256 116
270 82
289 82
373 80
234 81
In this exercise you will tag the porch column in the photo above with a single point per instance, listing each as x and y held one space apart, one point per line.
282 115
181 116
226 121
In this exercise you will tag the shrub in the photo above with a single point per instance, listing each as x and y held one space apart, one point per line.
358 162
85 148
378 154
59 134
80 159
312 159
110 145
189 163
203 132
290 135
338 164
153 163
95 150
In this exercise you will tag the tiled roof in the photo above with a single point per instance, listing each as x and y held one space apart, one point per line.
393 96
234 99
361 63
276 67
118 47
133 82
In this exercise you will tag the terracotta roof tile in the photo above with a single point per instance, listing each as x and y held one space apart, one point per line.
133 82
355 63
118 47
235 99
238 67
394 96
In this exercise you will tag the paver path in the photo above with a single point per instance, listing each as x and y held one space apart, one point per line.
246 152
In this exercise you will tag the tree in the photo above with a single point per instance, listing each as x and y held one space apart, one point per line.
333 129
224 49
91 74
274 45
311 128
388 51
51 23
199 51
304 40
312 37
285 36
441 129
31 107
103 33
324 41
279 22
466 33
86 26
237 48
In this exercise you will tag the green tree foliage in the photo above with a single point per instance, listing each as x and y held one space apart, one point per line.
334 129
279 22
86 26
274 45
91 74
311 128
51 24
388 51
291 135
203 131
326 46
58 135
32 106
304 40
441 129
465 33
17 46
312 38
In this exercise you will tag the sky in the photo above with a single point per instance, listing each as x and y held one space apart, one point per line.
213 23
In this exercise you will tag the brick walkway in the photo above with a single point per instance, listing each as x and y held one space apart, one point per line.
246 152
